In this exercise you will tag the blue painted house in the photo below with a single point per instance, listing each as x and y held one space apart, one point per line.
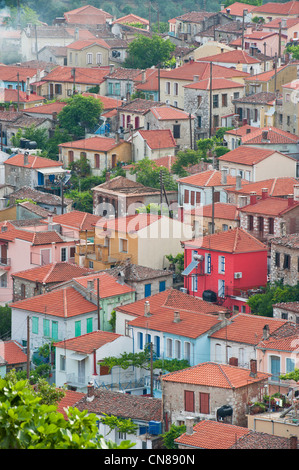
12 76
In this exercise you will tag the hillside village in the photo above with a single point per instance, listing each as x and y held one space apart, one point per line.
140 249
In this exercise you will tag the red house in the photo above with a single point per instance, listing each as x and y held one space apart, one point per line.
225 268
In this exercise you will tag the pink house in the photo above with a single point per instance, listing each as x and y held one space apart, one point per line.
22 249
224 267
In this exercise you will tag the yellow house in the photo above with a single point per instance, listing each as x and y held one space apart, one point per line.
96 52
102 153
271 11
145 239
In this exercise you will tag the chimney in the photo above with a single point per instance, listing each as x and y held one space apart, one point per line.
293 442
147 312
233 361
26 160
238 182
264 135
121 276
90 285
252 197
50 218
253 368
27 88
264 193
266 332
223 177
176 316
111 68
90 391
195 78
221 315
143 76
189 421
290 200
296 192
76 34
242 201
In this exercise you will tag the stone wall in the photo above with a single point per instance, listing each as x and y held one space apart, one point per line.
290 276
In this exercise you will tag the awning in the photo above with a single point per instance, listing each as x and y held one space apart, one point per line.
51 171
190 268
78 357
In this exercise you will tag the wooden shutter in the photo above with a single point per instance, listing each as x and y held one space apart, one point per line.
192 198
189 400
204 403
197 198
186 196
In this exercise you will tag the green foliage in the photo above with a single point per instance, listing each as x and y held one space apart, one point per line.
170 365
177 260
81 113
294 375
173 433
28 423
26 199
82 201
59 137
144 52
294 50
153 208
258 3
5 321
112 321
121 424
27 16
80 168
185 158
148 174
262 304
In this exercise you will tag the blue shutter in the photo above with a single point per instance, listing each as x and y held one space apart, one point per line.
162 286
140 340
147 290
157 346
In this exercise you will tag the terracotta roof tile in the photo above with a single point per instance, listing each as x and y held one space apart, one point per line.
208 178
212 435
247 329
63 303
78 220
221 211
89 342
291 240
217 84
277 187
12 352
288 8
274 136
265 76
158 138
92 76
165 113
54 272
237 57
69 400
195 16
232 241
236 9
108 284
247 155
283 339
10 73
273 206
11 95
83 43
48 108
101 144
212 374
33 162
202 70
131 18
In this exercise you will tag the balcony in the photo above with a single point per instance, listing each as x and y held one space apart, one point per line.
5 262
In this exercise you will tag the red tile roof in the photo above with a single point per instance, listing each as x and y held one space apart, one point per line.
10 73
236 9
273 206
151 81
208 178
202 70
158 138
165 113
212 435
265 76
212 374
274 24
173 300
293 85
131 18
83 43
89 342
78 220
64 303
88 15
232 241
108 103
274 136
12 352
11 95
247 328
235 57
34 162
36 238
283 339
70 399
100 144
217 84
129 224
248 155
280 186
288 8
221 211
48 108
54 272
240 131
93 76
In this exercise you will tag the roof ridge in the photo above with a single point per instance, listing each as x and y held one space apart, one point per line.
49 272
65 303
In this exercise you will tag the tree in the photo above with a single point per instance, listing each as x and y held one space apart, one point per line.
82 201
5 322
81 113
294 50
27 423
262 303
173 433
148 173
144 52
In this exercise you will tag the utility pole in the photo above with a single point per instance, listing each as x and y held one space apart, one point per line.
190 130
243 27
152 375
18 81
279 44
211 99
213 209
28 347
98 302
159 91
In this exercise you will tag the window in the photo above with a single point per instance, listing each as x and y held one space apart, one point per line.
199 121
58 89
63 254
162 286
78 328
255 115
96 160
99 58
236 95
157 345
54 330
186 196
216 121
208 264
280 118
167 88
224 100
117 89
127 329
221 288
110 88
189 401
286 262
218 352
198 197
187 351
62 362
277 259
224 227
89 325
284 316
90 264
199 100
176 131
89 58
123 245
147 290
169 347
176 89
288 120
70 156
194 283
71 57
192 198
35 325
177 348
290 365
72 251
148 338
46 327
221 264
271 225
204 403
215 101
140 340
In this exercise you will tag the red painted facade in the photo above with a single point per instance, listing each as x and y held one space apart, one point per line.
252 266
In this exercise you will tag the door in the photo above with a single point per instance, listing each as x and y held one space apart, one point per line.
275 368
81 371
45 257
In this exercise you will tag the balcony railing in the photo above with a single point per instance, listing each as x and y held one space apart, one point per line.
5 261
